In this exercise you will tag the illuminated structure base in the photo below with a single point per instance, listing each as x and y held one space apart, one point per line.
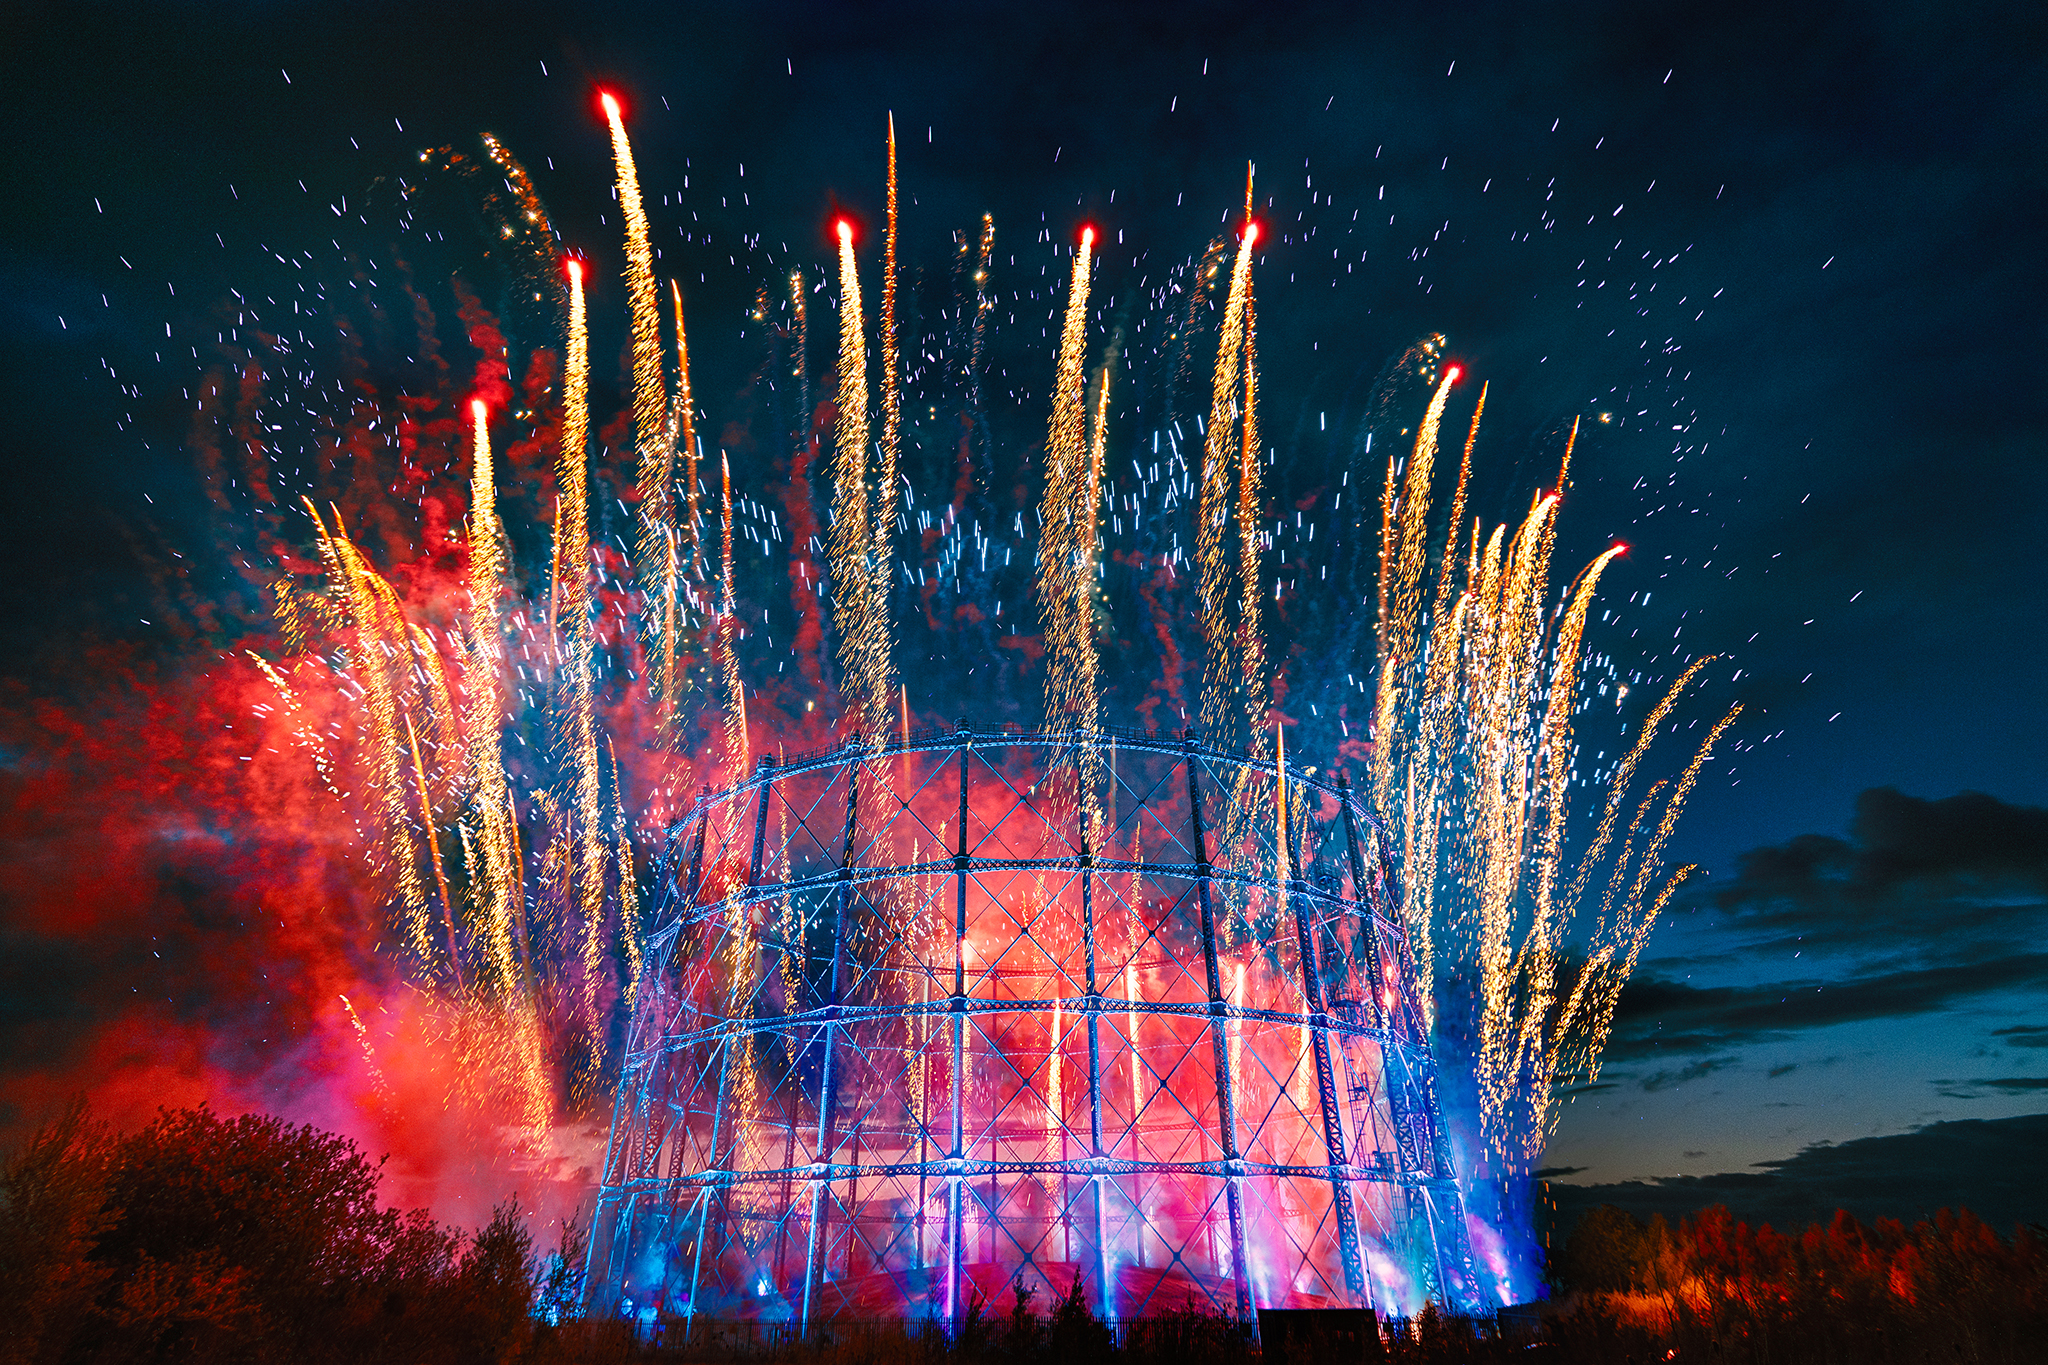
924 1017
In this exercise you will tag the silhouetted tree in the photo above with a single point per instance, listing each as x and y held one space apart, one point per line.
1075 1336
1022 1332
53 1208
1611 1251
201 1238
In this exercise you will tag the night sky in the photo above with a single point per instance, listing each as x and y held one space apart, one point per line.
1784 261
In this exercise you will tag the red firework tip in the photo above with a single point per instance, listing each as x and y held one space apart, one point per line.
1251 233
575 268
844 229
1451 375
479 412
610 103
1088 235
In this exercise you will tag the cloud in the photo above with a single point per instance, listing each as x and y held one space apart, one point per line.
1658 1017
2023 1035
2015 1085
1928 904
1664 1080
1785 1070
1970 865
1988 1166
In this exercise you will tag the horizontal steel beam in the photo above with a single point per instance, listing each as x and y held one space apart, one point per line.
968 1168
835 877
1077 1005
951 741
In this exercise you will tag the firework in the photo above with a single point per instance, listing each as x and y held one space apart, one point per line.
583 869
1472 767
682 431
1223 701
860 514
1066 548
651 412
892 389
532 925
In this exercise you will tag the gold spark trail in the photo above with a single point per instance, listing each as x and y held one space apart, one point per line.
860 610
532 217
738 759
1618 790
652 437
1250 675
800 357
433 841
629 880
1098 448
685 421
1236 693
881 527
1223 721
892 392
984 302
1473 762
1066 547
683 431
438 706
381 649
1430 773
583 869
1618 940
1065 582
1405 513
495 876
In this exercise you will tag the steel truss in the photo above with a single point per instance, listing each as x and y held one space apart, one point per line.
925 1016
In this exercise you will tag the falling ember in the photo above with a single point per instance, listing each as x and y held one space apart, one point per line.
369 1052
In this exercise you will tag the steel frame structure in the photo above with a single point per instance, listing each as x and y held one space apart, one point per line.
924 1016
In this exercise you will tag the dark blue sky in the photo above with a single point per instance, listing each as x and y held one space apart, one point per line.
1829 456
